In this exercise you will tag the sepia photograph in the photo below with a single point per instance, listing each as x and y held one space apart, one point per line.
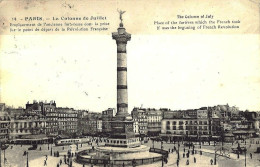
129 83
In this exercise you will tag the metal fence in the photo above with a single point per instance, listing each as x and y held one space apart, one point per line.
133 162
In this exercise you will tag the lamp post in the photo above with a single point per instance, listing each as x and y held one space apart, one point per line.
245 153
178 150
215 158
200 140
0 154
51 149
27 165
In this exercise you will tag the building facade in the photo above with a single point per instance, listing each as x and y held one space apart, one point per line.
186 125
4 124
67 121
24 125
107 117
139 115
154 119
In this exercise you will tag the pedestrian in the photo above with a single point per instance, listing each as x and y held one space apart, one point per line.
194 159
58 165
211 161
251 156
177 162
200 152
238 155
46 157
60 161
45 162
134 162
166 160
187 162
183 155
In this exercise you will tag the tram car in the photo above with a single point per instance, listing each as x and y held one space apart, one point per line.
62 142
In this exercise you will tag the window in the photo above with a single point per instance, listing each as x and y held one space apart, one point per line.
205 133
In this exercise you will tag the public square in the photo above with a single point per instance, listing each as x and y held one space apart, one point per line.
15 157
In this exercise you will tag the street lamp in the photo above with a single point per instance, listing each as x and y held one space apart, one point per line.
215 158
178 150
245 153
0 154
27 159
51 150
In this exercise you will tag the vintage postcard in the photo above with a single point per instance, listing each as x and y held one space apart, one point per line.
129 83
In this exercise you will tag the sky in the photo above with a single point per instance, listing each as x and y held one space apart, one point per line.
164 71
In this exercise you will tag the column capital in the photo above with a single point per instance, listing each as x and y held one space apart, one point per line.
121 36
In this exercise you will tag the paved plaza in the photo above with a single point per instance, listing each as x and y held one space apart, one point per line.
15 156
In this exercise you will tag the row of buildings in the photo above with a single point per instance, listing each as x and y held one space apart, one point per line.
221 122
206 123
39 118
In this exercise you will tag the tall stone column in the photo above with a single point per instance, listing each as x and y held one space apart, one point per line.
122 133
121 37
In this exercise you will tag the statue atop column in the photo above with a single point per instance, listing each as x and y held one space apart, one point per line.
120 17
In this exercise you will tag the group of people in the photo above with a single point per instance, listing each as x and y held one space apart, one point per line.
186 154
